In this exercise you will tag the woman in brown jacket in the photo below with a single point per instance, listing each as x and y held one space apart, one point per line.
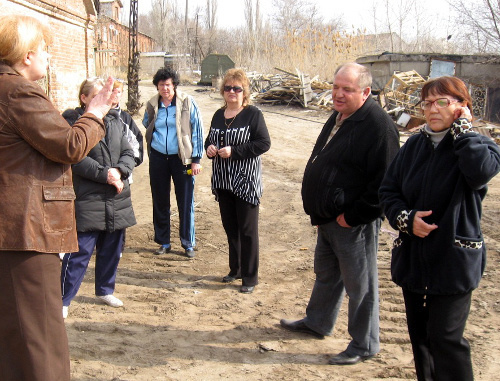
37 148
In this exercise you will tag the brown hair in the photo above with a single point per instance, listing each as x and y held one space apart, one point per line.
19 35
237 75
87 86
447 86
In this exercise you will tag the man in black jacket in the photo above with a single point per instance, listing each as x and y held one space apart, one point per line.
340 194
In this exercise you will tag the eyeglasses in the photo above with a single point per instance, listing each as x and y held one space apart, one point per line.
236 89
439 103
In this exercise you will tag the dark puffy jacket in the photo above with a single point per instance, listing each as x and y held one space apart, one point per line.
98 206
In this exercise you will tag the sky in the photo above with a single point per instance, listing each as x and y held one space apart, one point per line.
357 14
231 12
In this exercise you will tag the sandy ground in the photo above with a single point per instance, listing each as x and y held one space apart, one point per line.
179 322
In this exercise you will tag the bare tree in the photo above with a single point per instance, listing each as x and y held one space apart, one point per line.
482 21
253 26
211 20
249 15
294 15
160 10
211 23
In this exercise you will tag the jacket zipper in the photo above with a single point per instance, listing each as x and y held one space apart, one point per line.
423 250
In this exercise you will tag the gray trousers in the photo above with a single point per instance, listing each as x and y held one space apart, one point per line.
345 260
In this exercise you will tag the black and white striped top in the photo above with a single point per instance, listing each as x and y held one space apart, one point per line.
248 137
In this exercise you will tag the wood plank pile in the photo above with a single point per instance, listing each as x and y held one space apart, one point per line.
403 92
289 88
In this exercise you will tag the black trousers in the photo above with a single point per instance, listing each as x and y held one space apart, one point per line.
162 170
240 220
436 326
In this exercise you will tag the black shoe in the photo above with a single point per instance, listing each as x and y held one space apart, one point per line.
190 252
230 279
344 358
299 326
162 250
247 289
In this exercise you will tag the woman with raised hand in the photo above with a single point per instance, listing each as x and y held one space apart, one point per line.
37 148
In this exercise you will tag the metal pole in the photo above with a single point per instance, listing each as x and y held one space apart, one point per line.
133 104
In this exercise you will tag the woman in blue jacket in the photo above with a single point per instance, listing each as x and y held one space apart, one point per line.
432 193
174 137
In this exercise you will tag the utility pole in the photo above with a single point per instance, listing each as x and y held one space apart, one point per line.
133 104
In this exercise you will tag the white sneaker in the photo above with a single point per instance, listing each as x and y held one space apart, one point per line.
65 312
111 300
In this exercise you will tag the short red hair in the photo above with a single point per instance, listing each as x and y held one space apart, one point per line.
448 86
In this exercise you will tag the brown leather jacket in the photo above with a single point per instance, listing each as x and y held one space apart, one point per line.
37 148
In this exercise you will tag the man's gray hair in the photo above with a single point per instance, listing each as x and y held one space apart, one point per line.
364 74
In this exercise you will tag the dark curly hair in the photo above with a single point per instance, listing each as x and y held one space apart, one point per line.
166 73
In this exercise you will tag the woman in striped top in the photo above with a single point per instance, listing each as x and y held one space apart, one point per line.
238 136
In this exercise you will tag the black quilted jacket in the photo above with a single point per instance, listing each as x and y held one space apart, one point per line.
98 206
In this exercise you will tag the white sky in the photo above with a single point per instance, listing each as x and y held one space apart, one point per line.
356 13
231 12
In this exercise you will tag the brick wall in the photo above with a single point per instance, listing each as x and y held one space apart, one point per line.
72 53
112 45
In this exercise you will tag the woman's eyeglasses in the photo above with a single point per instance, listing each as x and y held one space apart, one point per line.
439 103
236 89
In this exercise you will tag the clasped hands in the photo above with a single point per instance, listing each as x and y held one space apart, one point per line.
224 152
115 179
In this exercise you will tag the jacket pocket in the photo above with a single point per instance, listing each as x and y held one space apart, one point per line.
467 262
467 243
402 271
331 202
58 208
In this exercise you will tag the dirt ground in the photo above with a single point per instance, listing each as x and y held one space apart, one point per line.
179 322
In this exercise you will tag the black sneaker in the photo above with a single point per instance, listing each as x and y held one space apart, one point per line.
162 250
230 279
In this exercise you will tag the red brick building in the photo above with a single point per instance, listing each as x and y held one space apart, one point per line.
84 44
72 50
112 40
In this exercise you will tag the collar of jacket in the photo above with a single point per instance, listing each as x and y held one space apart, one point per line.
6 69
173 103
361 112
114 113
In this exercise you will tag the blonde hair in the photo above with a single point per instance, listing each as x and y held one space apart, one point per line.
363 73
237 75
20 35
118 84
87 86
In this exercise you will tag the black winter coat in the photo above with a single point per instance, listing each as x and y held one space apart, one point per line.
344 176
450 181
98 206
